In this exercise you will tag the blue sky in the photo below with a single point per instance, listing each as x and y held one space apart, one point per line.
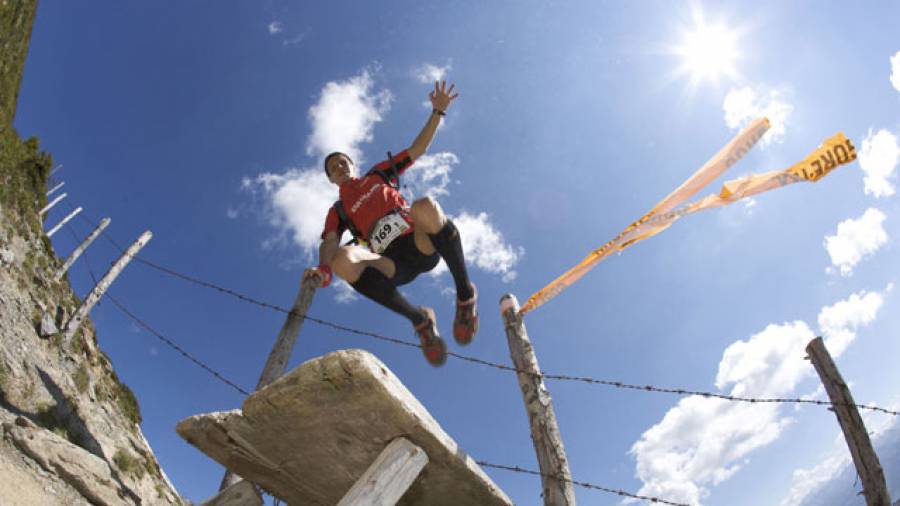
206 122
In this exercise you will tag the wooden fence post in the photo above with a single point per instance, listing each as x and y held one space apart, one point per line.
282 350
57 187
556 479
80 249
51 204
75 321
864 458
63 222
389 477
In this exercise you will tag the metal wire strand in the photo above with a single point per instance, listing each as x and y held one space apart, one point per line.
583 484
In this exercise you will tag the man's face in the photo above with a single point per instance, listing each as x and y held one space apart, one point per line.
340 169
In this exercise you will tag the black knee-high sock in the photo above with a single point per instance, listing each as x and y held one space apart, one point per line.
448 245
376 286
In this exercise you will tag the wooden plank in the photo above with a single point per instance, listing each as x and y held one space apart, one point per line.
545 434
81 248
389 477
242 493
51 204
864 457
63 222
81 313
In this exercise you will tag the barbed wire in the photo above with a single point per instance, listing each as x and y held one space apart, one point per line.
504 367
583 484
172 344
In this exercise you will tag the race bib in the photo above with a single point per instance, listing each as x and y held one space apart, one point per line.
385 231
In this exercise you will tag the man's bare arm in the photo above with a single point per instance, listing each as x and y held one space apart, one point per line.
327 249
440 98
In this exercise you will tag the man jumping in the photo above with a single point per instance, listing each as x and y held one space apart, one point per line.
395 241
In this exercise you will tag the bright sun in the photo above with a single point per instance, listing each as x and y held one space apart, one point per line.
708 52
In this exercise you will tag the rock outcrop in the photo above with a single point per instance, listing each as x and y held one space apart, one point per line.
71 430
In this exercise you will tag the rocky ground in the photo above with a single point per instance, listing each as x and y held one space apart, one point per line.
69 429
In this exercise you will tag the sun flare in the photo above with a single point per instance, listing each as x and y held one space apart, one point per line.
708 52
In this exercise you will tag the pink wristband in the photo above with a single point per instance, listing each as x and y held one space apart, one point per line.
325 269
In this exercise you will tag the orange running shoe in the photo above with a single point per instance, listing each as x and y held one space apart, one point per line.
465 325
433 347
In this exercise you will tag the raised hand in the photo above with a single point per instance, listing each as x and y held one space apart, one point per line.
442 96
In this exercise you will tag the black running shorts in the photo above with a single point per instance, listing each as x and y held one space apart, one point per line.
409 262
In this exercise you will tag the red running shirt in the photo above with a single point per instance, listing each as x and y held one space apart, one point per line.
367 199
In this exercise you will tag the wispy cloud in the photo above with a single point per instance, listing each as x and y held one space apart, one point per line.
702 442
296 202
855 240
485 247
809 486
839 322
345 115
895 70
743 105
429 72
878 160
429 176
275 27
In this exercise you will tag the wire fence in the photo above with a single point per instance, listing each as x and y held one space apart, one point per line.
397 341
495 365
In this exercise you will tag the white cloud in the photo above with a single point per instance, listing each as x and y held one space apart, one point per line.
429 73
297 202
702 442
878 159
743 105
805 481
808 485
275 27
345 115
856 239
430 176
895 70
232 213
344 293
484 247
838 322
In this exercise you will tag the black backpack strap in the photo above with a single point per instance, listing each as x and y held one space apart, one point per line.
392 173
345 222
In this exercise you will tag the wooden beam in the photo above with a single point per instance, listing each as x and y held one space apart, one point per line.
864 458
284 343
80 249
282 350
556 479
63 222
57 187
51 204
81 313
389 477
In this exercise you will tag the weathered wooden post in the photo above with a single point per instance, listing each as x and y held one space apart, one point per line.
281 351
63 222
389 477
864 458
81 313
51 204
80 249
556 479
57 187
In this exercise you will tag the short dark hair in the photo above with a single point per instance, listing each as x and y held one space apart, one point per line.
333 154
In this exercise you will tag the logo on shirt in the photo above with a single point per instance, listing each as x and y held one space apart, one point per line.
364 197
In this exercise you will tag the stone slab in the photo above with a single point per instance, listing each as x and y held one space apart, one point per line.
308 436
